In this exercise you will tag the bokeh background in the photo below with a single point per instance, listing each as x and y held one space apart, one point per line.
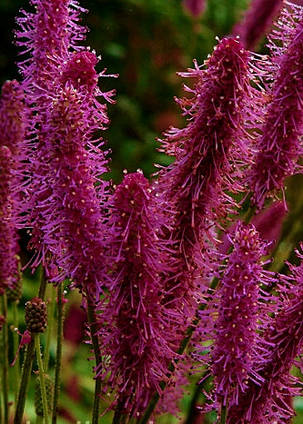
146 43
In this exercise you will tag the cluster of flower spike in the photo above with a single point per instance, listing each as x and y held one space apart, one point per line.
147 247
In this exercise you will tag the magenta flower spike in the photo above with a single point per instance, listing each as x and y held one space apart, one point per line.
13 122
279 145
195 7
270 401
210 152
137 332
237 303
257 20
60 81
74 228
48 35
8 242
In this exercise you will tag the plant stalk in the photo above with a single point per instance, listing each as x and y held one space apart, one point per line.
16 367
27 364
58 352
50 321
91 316
5 384
41 377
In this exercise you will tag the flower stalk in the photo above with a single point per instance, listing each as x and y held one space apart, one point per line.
41 376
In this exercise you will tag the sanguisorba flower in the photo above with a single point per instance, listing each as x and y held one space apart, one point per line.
209 153
258 18
63 153
137 330
279 145
270 401
234 317
47 36
72 211
13 122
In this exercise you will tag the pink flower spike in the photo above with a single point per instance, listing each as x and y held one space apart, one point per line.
211 152
279 146
138 334
281 344
237 303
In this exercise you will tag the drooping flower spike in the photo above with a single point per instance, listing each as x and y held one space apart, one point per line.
279 145
257 20
138 333
210 153
235 315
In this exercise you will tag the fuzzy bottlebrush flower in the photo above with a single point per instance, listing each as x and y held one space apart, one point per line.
195 7
61 204
48 35
234 316
137 333
209 153
74 225
8 242
279 145
259 17
13 121
270 401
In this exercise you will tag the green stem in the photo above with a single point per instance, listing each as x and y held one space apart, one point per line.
5 385
223 414
25 374
50 320
192 410
41 377
58 351
16 367
95 342
27 364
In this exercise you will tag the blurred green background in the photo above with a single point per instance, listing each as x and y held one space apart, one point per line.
146 43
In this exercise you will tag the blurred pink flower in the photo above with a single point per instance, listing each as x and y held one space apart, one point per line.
195 7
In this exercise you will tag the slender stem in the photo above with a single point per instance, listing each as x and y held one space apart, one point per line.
58 351
15 347
27 364
1 411
25 374
5 359
50 321
223 414
95 342
41 377
119 417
